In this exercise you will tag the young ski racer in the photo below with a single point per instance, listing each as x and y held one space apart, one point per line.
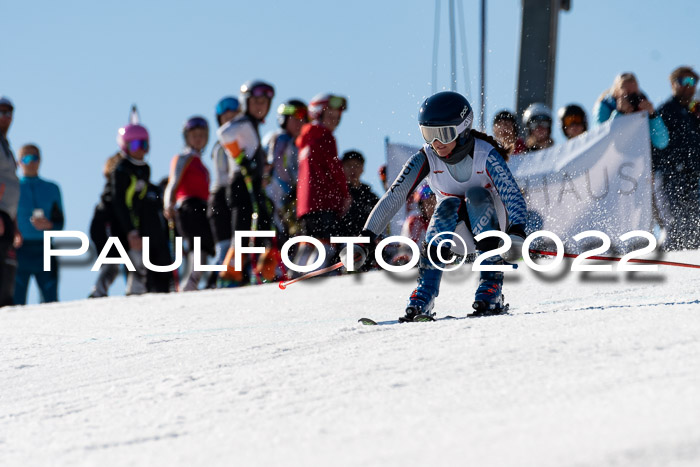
187 192
475 192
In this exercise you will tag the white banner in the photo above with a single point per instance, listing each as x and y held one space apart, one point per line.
396 157
598 181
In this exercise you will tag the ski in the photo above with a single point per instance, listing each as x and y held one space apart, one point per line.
371 322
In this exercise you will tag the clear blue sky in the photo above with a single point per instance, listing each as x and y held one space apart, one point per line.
73 69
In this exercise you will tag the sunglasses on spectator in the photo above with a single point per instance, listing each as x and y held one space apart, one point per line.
263 91
29 158
137 144
687 81
573 120
297 112
337 102
5 113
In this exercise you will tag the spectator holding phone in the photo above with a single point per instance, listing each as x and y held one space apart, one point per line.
625 97
40 209
678 165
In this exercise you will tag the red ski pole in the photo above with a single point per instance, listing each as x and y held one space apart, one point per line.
613 258
338 265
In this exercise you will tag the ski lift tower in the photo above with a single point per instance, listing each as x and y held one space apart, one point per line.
538 51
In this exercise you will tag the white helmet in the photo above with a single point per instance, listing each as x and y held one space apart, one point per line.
536 110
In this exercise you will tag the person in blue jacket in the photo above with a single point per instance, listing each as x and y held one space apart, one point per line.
625 97
40 209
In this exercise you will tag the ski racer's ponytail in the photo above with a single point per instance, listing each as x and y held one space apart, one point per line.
489 139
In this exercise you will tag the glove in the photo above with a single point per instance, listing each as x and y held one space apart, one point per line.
360 252
516 248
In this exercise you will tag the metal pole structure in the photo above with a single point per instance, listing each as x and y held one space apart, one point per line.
538 49
482 66
463 40
436 42
453 48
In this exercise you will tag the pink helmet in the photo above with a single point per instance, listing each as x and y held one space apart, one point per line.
131 133
134 131
323 101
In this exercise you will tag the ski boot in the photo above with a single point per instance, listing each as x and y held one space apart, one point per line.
489 299
420 304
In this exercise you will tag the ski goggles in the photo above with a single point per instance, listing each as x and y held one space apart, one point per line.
338 102
444 134
542 122
29 158
573 120
6 113
137 144
228 104
301 113
262 91
687 81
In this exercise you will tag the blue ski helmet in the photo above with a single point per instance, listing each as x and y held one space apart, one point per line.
227 104
445 116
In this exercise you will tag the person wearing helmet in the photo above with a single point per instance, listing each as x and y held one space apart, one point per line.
240 139
227 109
187 193
322 192
475 192
537 120
573 121
218 211
505 131
128 189
283 163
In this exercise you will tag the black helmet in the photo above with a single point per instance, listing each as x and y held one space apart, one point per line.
572 113
447 117
445 108
255 88
292 107
505 116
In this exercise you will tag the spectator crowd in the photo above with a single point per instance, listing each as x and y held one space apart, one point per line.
294 182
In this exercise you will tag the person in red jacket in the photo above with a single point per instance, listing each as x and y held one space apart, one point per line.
186 195
322 192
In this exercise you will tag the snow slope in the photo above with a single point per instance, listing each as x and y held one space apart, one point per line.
593 371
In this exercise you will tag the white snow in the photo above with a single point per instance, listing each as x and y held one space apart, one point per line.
595 372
